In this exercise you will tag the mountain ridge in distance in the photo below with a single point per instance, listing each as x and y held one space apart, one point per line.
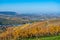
7 13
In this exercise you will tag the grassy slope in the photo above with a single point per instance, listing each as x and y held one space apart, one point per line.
44 38
33 25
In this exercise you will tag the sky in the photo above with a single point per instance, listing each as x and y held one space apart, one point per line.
30 6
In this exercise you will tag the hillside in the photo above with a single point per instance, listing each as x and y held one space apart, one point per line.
36 29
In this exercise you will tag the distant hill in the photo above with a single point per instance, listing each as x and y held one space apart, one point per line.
7 13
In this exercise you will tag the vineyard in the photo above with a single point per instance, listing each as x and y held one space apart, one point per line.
36 29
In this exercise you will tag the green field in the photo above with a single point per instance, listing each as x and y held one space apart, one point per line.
42 38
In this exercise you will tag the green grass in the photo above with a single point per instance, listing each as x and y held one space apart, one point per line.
43 38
